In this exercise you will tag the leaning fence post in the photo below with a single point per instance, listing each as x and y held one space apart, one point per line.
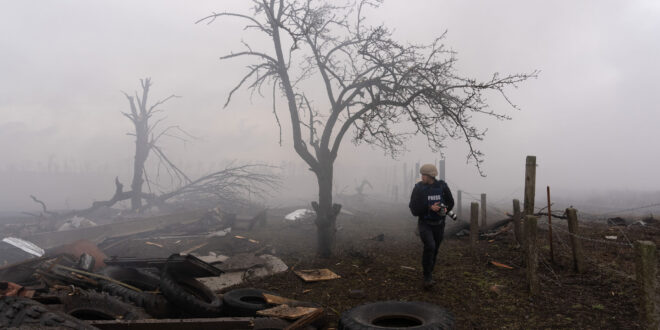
645 273
576 244
530 184
483 211
516 221
531 254
474 225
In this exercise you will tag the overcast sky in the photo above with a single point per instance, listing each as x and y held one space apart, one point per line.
591 117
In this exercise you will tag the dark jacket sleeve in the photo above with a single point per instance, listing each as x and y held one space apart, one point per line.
417 205
447 197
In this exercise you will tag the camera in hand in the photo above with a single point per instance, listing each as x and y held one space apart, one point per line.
449 213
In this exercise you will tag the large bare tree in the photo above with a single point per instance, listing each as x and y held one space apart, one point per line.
383 90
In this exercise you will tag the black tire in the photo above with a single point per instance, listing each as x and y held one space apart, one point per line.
244 302
139 278
91 305
154 304
190 295
23 312
396 315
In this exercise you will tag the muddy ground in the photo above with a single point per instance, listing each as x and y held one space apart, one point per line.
479 294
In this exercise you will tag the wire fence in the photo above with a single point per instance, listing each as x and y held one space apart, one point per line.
561 227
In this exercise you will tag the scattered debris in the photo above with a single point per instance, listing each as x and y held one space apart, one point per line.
287 312
86 262
154 244
611 237
300 215
242 262
497 264
213 258
314 275
24 245
76 222
13 289
242 267
220 233
408 267
194 248
617 221
496 288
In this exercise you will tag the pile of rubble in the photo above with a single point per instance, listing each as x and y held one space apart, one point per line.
77 286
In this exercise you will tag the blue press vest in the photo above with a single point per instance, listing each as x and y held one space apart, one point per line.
433 195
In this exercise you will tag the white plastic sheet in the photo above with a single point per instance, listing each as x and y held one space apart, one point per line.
300 214
24 245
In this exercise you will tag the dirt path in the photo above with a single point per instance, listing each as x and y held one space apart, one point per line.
480 295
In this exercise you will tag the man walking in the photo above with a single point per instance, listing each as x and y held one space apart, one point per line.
430 201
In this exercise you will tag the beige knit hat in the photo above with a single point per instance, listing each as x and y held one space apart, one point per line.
428 169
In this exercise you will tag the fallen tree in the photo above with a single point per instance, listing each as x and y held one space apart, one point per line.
230 185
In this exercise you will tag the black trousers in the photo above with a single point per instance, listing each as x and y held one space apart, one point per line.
431 236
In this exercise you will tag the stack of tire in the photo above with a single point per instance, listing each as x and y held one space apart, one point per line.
19 312
396 315
181 296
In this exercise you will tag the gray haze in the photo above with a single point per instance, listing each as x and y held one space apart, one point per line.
591 117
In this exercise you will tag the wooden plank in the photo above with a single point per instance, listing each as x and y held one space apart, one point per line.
306 320
314 275
287 312
278 300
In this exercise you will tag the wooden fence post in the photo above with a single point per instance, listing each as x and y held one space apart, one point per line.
645 274
530 185
474 225
459 203
576 244
532 258
516 221
483 211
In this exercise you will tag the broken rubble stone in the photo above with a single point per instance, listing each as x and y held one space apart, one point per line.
270 265
212 258
241 262
220 233
76 249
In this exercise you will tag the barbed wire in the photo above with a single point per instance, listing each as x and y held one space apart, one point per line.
629 244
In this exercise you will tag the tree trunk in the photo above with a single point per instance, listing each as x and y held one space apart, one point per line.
326 213
141 153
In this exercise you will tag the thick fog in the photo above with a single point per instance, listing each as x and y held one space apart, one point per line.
591 117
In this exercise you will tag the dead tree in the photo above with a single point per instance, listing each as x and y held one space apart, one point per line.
373 85
231 184
146 139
